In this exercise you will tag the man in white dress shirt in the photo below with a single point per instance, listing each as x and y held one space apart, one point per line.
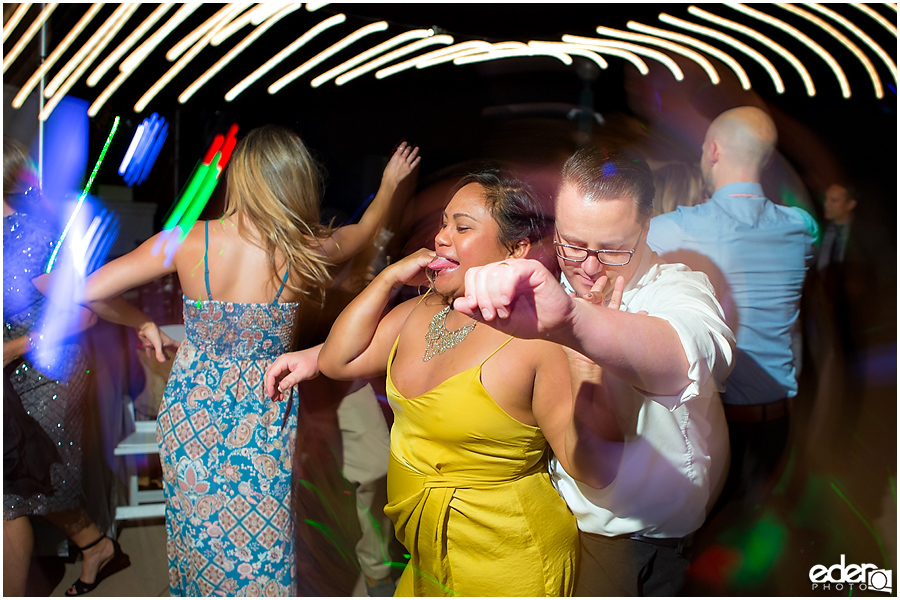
646 376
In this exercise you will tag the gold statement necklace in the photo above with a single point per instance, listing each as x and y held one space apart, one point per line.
438 339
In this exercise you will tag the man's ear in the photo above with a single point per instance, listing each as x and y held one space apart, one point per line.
713 153
852 204
521 249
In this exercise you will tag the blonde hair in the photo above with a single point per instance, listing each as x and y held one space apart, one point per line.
677 184
274 183
15 160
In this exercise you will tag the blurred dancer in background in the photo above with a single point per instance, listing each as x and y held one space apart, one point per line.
53 393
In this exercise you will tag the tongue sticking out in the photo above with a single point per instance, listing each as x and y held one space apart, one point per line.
441 263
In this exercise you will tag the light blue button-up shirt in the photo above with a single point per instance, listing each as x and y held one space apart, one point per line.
756 254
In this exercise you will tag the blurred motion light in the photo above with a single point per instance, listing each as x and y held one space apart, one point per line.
406 36
143 150
418 61
10 58
232 10
132 38
678 49
512 50
314 6
54 56
135 59
81 198
326 53
196 194
840 37
260 13
881 20
777 48
231 54
115 22
727 39
224 17
572 49
293 47
78 59
14 19
687 40
431 40
142 51
892 67
636 49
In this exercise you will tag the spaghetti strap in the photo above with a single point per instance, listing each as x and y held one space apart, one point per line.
509 339
206 260
283 282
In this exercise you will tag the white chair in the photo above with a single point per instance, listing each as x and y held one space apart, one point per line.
142 504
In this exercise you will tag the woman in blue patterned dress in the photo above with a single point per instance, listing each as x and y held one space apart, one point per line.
226 449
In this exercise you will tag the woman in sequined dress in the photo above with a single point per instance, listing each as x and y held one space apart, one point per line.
52 393
226 449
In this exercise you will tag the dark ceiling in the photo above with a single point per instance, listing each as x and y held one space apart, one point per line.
457 113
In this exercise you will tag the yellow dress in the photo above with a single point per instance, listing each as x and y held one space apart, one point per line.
471 498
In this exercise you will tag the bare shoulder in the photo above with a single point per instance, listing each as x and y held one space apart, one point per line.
541 353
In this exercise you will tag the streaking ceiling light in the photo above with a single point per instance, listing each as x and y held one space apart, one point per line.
327 53
382 60
416 61
54 56
135 59
138 56
892 67
572 49
655 54
103 37
687 40
727 39
881 20
406 36
231 54
130 41
840 37
83 52
502 50
449 54
314 6
10 58
293 47
201 30
257 15
224 18
678 49
17 15
771 44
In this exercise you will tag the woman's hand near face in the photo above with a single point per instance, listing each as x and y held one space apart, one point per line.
411 269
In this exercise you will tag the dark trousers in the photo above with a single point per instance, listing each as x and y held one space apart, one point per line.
758 458
621 566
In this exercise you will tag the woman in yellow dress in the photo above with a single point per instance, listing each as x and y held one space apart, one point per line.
475 411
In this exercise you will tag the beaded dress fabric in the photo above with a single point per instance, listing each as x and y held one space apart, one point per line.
226 451
54 401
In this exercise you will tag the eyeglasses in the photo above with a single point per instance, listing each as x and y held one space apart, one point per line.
610 258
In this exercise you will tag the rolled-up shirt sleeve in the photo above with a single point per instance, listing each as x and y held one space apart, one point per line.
686 300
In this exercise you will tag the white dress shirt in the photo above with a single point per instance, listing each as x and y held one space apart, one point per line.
676 452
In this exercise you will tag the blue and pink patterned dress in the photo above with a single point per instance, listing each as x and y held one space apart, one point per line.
226 452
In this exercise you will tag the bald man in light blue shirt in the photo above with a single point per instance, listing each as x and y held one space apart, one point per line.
756 254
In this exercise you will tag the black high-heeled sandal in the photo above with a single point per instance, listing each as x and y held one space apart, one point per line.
115 563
